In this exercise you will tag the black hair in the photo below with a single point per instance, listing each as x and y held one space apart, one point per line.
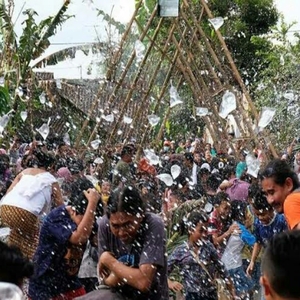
14 265
78 200
213 182
228 171
258 198
281 264
238 210
75 165
279 171
128 149
221 197
194 218
189 156
127 200
43 158
4 162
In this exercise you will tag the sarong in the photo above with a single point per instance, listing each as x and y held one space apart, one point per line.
24 228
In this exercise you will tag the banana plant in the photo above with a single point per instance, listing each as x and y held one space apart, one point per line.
18 53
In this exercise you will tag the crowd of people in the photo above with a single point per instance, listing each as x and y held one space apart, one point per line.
186 222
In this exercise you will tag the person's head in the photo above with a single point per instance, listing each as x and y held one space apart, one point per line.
197 157
105 186
222 204
278 180
208 156
229 172
197 226
127 153
15 267
280 267
4 162
188 159
238 211
125 210
43 159
78 201
260 206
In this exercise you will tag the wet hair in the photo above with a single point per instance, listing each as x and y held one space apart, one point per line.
78 200
258 198
42 158
279 171
189 157
228 171
14 265
127 200
238 210
213 182
75 165
281 264
221 197
4 162
128 149
194 218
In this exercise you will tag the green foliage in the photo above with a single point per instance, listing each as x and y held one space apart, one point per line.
4 100
16 54
279 86
246 20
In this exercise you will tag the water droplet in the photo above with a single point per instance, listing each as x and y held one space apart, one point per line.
216 22
174 97
228 104
153 120
23 115
95 144
44 130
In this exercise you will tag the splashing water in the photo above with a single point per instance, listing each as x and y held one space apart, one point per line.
228 104
266 117
201 111
174 97
23 115
216 22
95 144
153 120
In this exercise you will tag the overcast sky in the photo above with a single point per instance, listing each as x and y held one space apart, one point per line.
86 27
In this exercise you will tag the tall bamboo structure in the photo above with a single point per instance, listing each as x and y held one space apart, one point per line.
176 50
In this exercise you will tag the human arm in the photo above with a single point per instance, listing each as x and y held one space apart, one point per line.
175 286
83 231
56 194
247 237
218 239
14 183
140 278
255 252
225 184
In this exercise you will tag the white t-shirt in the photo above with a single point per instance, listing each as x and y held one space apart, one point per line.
32 193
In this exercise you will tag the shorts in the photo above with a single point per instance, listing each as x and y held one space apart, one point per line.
241 282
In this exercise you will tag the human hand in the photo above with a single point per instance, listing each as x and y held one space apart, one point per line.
175 285
92 196
103 266
250 269
234 228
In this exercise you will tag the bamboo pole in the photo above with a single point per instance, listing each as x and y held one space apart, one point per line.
133 85
206 40
95 102
158 102
166 117
153 77
238 77
124 73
